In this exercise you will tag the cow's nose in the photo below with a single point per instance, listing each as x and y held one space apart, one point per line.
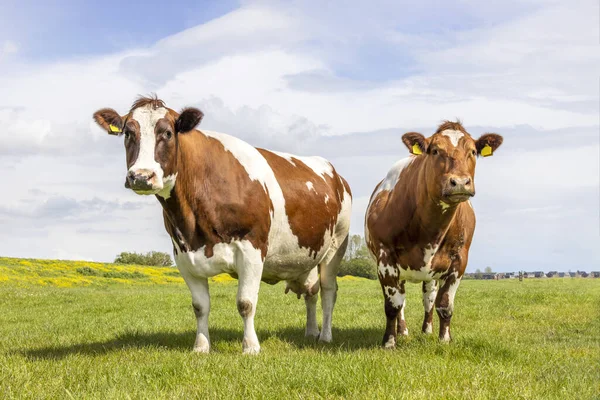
460 182
140 179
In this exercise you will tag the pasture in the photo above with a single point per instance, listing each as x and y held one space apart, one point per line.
86 330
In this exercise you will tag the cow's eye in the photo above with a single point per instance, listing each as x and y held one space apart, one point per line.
473 153
126 134
168 134
435 152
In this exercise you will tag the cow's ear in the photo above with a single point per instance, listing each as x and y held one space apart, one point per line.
188 119
109 120
416 143
488 143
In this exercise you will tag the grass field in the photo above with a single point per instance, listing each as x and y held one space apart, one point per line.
83 330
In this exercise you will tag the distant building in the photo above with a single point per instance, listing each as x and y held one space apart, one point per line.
595 274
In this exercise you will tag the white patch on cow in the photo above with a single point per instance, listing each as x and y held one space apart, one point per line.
396 298
387 270
391 179
198 265
147 117
388 184
390 344
446 337
425 273
445 207
453 135
428 254
319 165
310 186
285 155
401 316
326 198
168 185
428 328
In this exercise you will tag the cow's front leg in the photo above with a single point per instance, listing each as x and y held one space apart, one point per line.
444 304
201 305
249 274
312 329
394 298
429 294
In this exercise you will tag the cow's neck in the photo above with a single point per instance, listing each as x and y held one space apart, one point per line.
429 219
433 216
185 202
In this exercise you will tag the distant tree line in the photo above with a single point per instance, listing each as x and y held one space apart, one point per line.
358 260
152 258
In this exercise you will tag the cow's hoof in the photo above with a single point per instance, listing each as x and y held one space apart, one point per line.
202 345
390 344
404 332
250 348
312 333
427 329
325 337
202 350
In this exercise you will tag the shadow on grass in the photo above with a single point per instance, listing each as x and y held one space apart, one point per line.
344 340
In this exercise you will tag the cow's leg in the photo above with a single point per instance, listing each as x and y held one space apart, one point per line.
311 296
201 304
394 296
329 287
429 293
444 304
312 328
249 266
402 329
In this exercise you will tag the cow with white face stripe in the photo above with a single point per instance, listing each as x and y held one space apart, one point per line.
232 208
419 223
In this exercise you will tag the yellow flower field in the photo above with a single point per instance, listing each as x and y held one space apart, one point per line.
60 273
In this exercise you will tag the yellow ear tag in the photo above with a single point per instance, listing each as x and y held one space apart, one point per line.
416 149
114 129
486 151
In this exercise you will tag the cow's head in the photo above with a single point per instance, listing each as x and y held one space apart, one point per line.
151 133
450 155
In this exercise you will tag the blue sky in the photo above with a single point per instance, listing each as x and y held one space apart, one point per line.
57 29
338 79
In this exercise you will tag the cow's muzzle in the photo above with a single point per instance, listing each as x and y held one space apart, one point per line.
459 189
141 180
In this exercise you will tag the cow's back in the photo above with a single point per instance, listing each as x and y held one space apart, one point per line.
316 205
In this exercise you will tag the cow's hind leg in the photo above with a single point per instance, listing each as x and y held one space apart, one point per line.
328 279
394 295
429 293
249 269
444 304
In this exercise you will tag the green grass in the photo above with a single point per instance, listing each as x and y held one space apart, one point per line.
537 339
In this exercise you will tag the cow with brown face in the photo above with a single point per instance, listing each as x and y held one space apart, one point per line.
419 223
232 208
